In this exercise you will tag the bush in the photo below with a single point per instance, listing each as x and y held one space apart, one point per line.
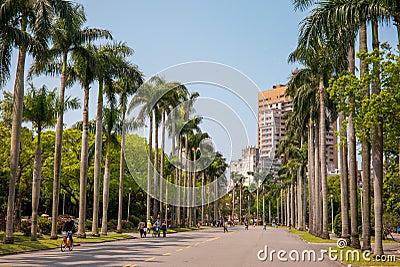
26 228
127 225
337 225
135 220
88 225
112 225
44 226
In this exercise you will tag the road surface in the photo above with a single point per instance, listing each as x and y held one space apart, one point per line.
209 247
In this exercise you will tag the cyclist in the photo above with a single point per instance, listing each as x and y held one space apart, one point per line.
68 227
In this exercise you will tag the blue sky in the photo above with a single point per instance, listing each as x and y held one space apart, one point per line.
253 37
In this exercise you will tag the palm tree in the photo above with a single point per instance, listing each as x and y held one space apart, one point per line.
110 62
66 36
112 126
41 108
126 86
25 25
83 70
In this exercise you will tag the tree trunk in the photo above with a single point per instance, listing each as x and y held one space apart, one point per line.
377 157
311 180
106 189
355 242
84 166
37 175
366 155
149 155
156 173
322 150
57 151
121 174
162 198
97 160
317 184
15 142
292 206
179 182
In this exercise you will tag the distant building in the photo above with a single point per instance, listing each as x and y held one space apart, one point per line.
272 106
248 163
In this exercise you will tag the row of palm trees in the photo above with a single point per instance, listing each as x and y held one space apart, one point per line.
158 98
326 48
53 33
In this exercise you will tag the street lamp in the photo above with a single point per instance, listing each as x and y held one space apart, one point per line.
361 199
332 213
129 202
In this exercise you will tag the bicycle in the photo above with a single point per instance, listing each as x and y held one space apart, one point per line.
67 241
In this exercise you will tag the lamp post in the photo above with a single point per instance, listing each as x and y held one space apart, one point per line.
332 213
129 202
361 198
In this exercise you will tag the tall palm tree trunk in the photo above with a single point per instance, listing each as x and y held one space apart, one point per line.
344 170
179 183
37 176
57 151
355 242
149 155
15 142
162 166
366 155
292 206
156 173
377 157
83 166
97 161
121 175
317 184
311 180
322 150
106 189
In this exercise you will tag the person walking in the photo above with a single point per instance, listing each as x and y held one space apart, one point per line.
141 228
225 226
149 225
164 228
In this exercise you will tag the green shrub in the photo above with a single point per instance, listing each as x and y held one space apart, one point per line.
127 225
135 220
112 225
44 226
26 228
88 225
337 224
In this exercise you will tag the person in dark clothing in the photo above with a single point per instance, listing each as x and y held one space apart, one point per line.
164 228
68 227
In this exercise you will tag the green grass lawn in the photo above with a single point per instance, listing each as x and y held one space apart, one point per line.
23 244
310 238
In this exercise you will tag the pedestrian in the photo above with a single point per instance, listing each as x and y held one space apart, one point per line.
246 225
164 229
148 226
265 226
157 226
141 228
225 226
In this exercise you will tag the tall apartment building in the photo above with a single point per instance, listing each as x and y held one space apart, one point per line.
248 163
272 106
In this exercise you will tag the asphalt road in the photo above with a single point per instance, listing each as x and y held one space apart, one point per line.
211 247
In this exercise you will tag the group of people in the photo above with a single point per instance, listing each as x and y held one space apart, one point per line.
157 227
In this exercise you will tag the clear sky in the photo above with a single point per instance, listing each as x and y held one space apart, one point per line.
254 37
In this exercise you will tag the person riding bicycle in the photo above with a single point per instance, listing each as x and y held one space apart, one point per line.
68 227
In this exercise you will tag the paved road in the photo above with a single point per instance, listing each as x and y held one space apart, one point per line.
209 247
